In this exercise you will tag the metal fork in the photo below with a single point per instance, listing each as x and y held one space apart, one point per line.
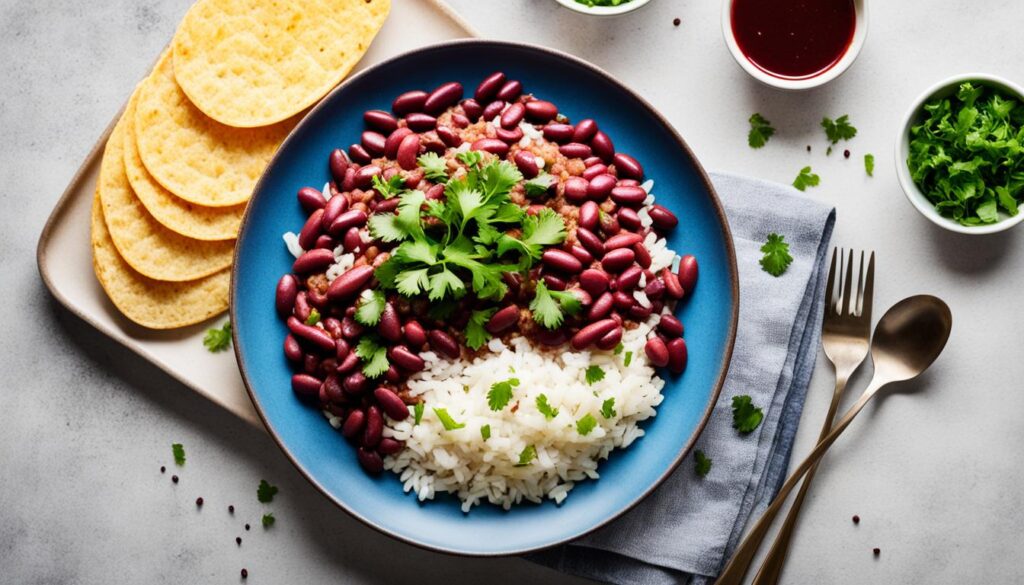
846 329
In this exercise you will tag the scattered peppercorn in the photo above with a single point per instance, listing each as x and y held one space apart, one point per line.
174 478
856 519
238 540
677 22
163 469
877 551
199 502
247 527
245 573
808 148
231 509
846 153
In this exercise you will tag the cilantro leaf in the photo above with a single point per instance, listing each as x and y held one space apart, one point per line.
485 432
837 130
702 465
745 416
608 408
314 317
470 158
619 348
869 164
445 282
539 185
412 282
373 355
265 492
370 307
806 179
776 257
417 413
760 131
476 334
549 306
179 453
544 408
389 188
500 394
268 520
434 167
528 454
446 420
547 228
586 424
218 339
386 228
627 359
594 374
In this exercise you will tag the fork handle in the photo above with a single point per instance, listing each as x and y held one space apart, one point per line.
771 570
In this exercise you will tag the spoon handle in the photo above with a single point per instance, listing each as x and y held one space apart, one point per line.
736 569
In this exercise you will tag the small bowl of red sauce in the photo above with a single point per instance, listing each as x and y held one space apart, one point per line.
795 44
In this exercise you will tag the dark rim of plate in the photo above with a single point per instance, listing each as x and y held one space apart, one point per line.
733 279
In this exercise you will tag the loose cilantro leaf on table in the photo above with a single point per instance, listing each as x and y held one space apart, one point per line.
594 374
370 307
528 454
545 408
265 492
500 393
476 334
702 465
218 339
760 131
446 419
869 164
179 453
608 408
374 356
837 130
586 424
806 179
268 520
776 257
434 167
745 416
549 306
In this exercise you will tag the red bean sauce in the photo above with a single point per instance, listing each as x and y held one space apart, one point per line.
793 39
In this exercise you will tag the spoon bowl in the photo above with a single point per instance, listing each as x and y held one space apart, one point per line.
909 337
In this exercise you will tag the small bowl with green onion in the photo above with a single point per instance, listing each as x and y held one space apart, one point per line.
960 154
603 7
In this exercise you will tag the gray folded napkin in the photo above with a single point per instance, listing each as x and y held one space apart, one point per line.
686 530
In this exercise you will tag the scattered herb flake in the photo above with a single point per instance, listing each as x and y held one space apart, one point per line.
417 413
265 492
314 317
702 465
545 408
485 432
745 416
776 257
619 348
869 164
179 453
268 520
760 131
500 393
837 130
608 408
527 456
627 359
446 420
218 338
806 179
594 374
586 424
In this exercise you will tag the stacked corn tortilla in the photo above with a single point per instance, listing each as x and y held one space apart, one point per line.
183 160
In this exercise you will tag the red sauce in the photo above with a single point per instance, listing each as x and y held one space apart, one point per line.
793 39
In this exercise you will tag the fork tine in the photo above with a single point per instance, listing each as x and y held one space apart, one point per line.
869 290
830 288
860 287
847 286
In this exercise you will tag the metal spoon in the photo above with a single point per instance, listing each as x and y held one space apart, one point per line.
907 340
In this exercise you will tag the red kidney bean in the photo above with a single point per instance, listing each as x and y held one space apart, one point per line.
591 242
655 288
390 327
502 319
311 230
352 241
354 383
657 352
359 154
589 214
585 130
593 171
662 218
601 307
541 111
335 207
284 296
592 161
617 260
442 98
310 199
349 182
311 365
561 260
354 424
583 296
420 122
459 121
315 260
348 220
332 388
574 150
610 340
374 427
628 166
408 150
609 225
292 349
350 329
672 286
472 108
435 192
491 145
628 183
315 336
629 278
677 355
406 359
509 136
448 136
582 255
551 338
643 256
554 283
317 299
591 333
639 312
575 189
389 446
392 374
535 209
560 133
364 176
370 461
622 300
415 335
305 385
600 187
325 242
527 163
688 272
628 218
513 115
629 196
603 147
394 140
623 240
489 87
343 348
380 120
594 281
390 403
301 309
670 326
349 283
657 306
492 110
509 91
349 363
409 102
444 343
337 163
373 142
386 206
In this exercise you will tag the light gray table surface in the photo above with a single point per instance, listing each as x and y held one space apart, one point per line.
934 470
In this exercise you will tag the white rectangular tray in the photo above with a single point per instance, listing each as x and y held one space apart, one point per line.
64 253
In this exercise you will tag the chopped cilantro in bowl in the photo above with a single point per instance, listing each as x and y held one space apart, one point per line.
960 158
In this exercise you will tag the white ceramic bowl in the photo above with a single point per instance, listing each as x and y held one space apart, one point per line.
603 10
860 33
910 189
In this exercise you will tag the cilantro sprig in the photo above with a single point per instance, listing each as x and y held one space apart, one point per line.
593 375
776 257
500 393
218 338
701 463
838 129
545 408
265 492
550 306
374 356
760 131
745 416
586 424
608 408
806 179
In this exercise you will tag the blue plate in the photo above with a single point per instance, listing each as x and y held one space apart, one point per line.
323 456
